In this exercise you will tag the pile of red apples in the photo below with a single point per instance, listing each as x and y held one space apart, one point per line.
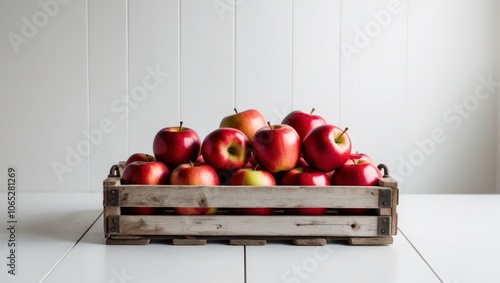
304 150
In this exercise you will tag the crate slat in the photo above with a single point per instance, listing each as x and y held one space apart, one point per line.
232 225
247 196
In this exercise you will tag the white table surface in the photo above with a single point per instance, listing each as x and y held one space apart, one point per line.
442 238
458 235
49 225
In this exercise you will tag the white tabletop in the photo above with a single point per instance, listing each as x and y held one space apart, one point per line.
458 235
49 225
442 238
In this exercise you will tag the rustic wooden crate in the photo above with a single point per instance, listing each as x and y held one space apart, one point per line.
377 228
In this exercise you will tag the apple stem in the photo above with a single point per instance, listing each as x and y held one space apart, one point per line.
345 130
235 110
180 126
191 162
256 167
269 123
312 111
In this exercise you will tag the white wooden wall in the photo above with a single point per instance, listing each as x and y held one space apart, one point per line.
407 77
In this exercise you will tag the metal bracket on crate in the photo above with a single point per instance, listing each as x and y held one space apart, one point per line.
113 224
383 225
112 197
385 198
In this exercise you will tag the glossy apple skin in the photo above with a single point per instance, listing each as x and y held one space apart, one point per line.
303 122
174 147
356 157
248 121
144 173
252 177
305 176
276 148
360 173
194 174
226 149
321 150
140 157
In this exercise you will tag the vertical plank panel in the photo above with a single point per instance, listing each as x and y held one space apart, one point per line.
206 65
107 86
382 97
373 74
446 136
349 66
152 70
44 109
263 57
316 61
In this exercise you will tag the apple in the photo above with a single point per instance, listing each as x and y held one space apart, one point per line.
303 122
194 174
305 176
252 177
276 147
356 157
326 147
248 121
226 149
140 157
176 145
144 173
357 173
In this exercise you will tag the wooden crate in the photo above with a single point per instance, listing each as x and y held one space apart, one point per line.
375 228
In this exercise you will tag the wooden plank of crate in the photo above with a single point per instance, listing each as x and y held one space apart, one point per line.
247 242
111 241
232 225
391 183
249 196
357 241
310 242
189 242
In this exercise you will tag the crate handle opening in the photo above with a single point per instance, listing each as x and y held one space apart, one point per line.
383 167
114 171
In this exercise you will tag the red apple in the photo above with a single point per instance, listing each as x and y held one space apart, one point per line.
305 176
361 173
194 174
356 157
252 177
140 157
302 122
326 147
226 149
144 173
176 145
276 147
248 121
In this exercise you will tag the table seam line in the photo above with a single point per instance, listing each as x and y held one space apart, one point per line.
72 247
420 255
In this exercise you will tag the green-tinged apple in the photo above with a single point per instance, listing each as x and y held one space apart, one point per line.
226 149
303 122
326 147
248 121
276 147
356 157
140 157
144 173
194 174
252 177
305 176
359 172
176 145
